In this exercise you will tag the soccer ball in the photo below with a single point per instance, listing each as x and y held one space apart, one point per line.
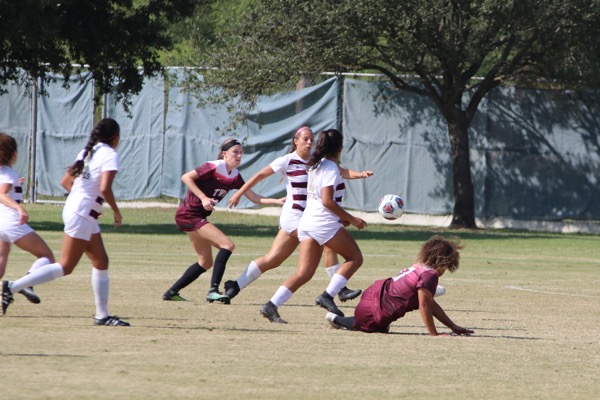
391 206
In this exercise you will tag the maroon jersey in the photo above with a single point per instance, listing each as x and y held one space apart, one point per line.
389 299
214 181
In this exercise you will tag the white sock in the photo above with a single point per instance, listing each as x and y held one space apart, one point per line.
249 275
40 262
282 295
100 287
336 284
332 270
43 274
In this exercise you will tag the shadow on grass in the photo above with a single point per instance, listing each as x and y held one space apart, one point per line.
374 232
40 355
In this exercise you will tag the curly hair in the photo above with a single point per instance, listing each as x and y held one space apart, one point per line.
8 147
440 254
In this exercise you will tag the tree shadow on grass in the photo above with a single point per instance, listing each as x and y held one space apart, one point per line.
383 232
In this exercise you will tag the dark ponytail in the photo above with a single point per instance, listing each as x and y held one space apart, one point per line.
104 132
329 144
8 148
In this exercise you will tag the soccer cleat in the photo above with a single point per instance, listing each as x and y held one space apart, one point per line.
348 294
172 296
217 296
30 295
269 311
330 317
439 291
7 296
111 320
231 289
327 303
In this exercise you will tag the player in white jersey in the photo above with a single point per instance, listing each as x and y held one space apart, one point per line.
14 218
293 167
322 224
89 183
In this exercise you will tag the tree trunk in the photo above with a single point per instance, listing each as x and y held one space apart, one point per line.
463 215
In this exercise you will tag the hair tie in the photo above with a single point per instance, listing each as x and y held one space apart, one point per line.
230 144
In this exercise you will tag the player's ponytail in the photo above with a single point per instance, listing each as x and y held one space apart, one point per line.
329 144
104 132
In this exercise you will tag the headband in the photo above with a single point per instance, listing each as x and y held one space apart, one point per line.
230 144
300 130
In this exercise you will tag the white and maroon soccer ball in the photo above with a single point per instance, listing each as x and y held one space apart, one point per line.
391 206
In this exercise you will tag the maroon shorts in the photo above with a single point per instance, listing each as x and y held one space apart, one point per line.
189 223
365 318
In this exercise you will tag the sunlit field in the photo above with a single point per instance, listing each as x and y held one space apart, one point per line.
532 299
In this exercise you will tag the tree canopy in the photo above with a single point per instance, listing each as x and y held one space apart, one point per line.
435 48
111 38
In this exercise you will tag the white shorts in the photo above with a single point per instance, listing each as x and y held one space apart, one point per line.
322 235
79 227
288 221
15 232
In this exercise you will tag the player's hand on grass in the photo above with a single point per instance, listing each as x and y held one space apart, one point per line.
459 330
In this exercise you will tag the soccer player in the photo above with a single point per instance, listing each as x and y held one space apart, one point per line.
14 218
322 224
89 183
387 300
293 167
207 185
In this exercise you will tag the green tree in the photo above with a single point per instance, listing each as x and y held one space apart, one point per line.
434 48
111 38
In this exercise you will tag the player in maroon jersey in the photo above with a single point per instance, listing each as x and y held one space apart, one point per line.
390 299
207 185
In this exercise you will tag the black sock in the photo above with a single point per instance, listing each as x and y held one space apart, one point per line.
346 322
189 276
325 294
219 269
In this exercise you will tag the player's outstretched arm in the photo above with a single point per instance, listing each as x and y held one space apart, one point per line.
351 174
259 176
440 315
426 306
258 199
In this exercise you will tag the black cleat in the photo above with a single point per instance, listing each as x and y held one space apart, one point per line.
326 301
30 295
7 296
269 311
172 296
348 294
110 321
231 289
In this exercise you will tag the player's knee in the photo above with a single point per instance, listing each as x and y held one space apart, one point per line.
228 246
358 260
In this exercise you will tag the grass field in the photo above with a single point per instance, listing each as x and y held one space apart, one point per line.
533 300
